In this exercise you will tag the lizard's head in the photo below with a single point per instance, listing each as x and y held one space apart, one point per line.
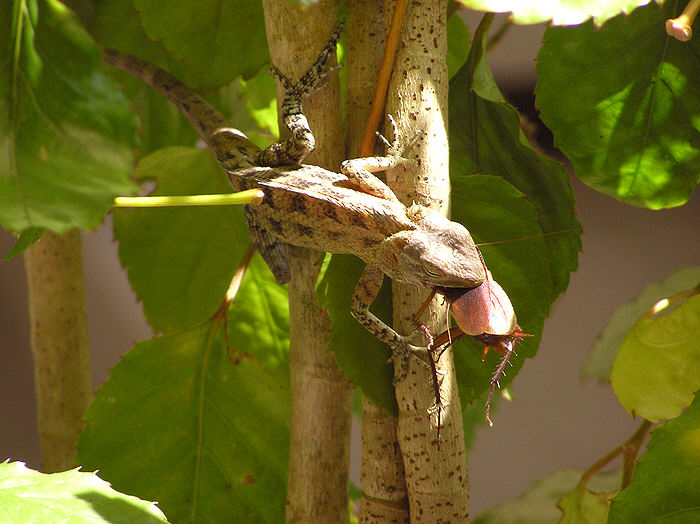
440 252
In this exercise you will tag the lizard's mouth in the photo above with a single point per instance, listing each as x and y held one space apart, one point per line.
451 293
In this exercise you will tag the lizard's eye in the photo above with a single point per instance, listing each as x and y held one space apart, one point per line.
432 271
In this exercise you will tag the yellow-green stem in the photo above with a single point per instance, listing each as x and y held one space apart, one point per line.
250 196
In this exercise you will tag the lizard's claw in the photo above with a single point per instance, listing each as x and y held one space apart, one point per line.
312 79
393 149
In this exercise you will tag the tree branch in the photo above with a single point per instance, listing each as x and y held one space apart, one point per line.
59 340
436 478
321 396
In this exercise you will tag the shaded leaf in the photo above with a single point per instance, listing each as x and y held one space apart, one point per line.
67 129
485 138
528 196
117 24
560 12
622 104
537 505
666 482
199 33
458 42
363 358
600 361
25 239
74 496
206 436
657 369
180 260
583 506
494 210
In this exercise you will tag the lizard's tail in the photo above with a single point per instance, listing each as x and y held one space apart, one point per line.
209 123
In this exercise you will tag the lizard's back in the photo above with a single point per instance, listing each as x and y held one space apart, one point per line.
309 206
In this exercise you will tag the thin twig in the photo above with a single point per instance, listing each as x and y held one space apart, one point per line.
629 450
376 112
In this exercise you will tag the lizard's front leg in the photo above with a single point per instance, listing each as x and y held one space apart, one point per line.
365 292
292 150
360 170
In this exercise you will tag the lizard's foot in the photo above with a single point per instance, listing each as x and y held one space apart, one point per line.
300 142
402 352
393 149
312 79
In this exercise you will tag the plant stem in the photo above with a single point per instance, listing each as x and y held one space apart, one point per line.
436 479
628 449
384 497
241 198
321 396
59 341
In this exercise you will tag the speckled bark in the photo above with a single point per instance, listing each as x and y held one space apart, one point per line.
436 479
59 341
384 497
317 486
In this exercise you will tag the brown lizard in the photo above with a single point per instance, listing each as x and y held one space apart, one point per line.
304 205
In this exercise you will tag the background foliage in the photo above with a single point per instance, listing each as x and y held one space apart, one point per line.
173 423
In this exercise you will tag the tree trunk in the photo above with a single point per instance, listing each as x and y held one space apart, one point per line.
383 486
59 340
321 396
436 478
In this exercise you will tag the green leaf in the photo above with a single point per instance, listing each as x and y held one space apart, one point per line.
458 41
260 96
259 321
25 239
116 24
527 196
666 482
67 130
495 210
363 358
604 350
583 506
622 104
181 423
199 32
485 138
537 505
657 369
180 260
74 496
560 12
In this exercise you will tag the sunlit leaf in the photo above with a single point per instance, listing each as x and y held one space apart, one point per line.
622 104
560 12
66 129
657 369
74 496
600 361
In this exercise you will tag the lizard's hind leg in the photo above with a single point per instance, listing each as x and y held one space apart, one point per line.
292 150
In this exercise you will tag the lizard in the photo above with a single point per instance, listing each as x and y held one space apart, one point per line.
351 211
